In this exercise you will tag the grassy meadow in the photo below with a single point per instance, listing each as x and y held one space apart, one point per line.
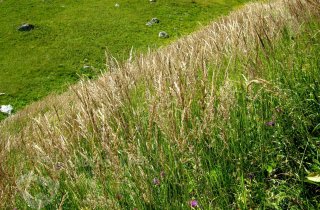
70 35
227 117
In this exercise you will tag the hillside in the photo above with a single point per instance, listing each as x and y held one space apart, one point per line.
224 118
70 38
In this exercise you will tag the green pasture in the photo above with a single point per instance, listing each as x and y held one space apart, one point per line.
69 35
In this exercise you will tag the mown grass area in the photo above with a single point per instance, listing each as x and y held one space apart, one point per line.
69 35
227 118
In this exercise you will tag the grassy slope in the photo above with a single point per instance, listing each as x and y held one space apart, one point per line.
71 34
233 124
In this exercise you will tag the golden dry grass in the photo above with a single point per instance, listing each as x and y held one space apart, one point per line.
48 133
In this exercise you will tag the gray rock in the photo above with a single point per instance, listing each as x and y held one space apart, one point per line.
7 109
26 27
153 21
163 34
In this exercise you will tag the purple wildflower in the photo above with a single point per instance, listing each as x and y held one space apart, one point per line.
270 123
250 176
156 181
194 203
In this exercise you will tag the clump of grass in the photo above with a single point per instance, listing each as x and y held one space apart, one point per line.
224 118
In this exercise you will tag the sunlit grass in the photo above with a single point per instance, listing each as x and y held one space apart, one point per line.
69 35
227 118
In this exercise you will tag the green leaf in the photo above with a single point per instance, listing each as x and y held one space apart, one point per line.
314 177
269 169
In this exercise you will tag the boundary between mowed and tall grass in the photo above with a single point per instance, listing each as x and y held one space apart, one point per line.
70 38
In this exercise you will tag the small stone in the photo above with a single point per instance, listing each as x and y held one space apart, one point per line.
117 5
153 21
26 27
163 34
7 109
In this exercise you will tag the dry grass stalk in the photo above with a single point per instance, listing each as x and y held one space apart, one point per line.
95 111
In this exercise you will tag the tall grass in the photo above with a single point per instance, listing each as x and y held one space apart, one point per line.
228 116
